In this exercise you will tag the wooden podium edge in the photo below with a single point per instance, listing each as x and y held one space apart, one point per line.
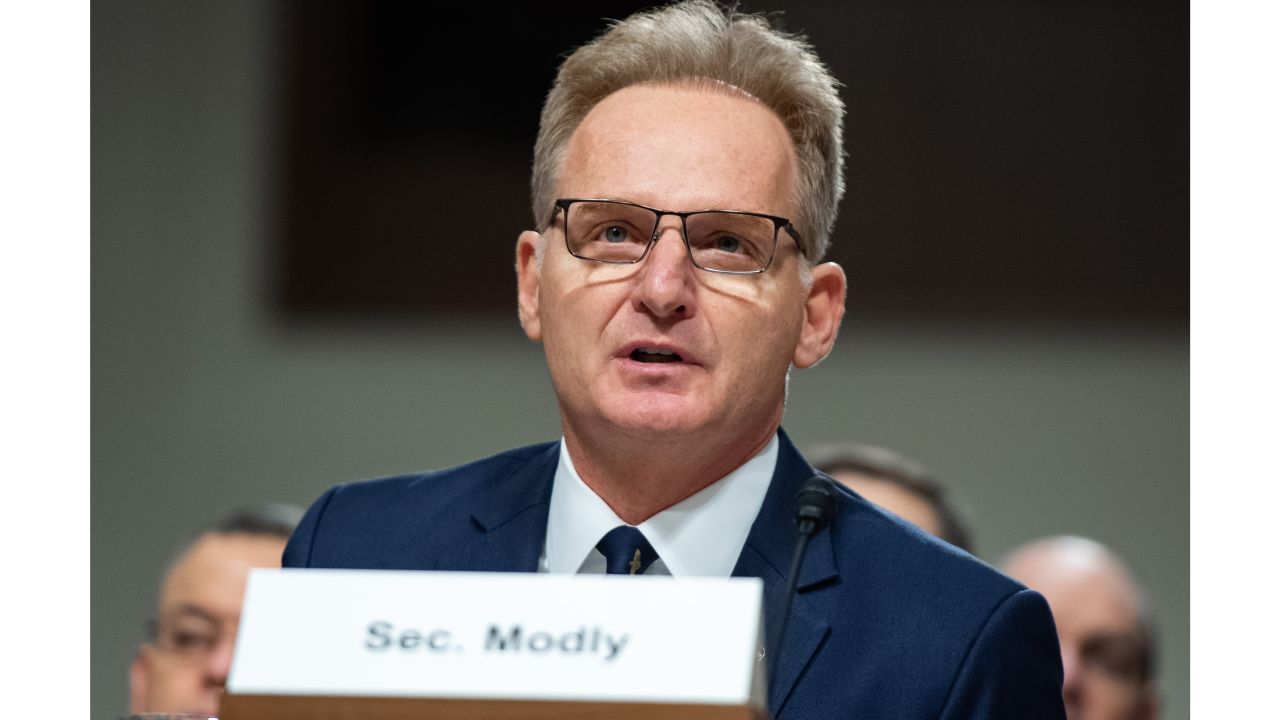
322 707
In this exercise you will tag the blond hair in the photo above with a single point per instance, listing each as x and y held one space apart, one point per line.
698 40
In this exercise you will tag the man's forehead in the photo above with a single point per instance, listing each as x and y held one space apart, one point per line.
214 569
894 497
1097 594
698 147
186 610
1086 588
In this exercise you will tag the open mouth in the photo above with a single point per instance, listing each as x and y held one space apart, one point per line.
655 355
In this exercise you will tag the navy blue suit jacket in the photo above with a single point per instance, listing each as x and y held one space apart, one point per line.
888 622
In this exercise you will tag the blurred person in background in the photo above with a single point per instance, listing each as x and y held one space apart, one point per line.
184 666
898 484
1104 626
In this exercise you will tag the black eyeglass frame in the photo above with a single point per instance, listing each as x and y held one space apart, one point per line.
779 223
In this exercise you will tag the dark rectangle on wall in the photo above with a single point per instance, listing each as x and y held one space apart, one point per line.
1007 160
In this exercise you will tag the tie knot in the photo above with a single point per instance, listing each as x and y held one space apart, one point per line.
626 551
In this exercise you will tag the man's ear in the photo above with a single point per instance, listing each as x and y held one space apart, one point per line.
823 311
139 682
527 272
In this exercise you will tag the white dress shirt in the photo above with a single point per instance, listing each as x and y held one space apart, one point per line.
701 535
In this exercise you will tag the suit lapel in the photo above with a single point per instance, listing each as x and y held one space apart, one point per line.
509 523
767 555
509 528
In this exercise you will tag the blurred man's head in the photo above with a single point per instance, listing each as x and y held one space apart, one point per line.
184 666
1103 626
898 484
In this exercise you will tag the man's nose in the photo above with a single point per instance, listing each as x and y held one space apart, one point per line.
666 280
218 664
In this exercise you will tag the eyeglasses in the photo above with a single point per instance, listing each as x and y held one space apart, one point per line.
721 241
1119 657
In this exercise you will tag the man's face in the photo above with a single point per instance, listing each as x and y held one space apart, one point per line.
673 148
1097 610
185 669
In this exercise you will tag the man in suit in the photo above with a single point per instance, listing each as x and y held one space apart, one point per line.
685 183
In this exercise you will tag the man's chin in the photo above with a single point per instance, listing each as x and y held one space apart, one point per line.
654 416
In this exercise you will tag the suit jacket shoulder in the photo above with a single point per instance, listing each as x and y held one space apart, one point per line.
973 642
889 621
433 520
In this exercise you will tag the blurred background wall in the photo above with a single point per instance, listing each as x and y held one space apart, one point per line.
303 225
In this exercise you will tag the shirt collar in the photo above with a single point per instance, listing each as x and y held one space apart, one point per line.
701 535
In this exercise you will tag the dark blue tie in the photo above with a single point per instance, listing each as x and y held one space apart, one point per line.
626 552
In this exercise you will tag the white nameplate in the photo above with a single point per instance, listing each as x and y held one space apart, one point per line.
500 636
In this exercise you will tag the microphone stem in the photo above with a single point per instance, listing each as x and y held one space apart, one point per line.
774 650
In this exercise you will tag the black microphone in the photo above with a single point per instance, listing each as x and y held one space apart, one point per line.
815 504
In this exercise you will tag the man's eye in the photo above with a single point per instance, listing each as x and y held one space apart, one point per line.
184 641
728 244
1113 657
616 234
